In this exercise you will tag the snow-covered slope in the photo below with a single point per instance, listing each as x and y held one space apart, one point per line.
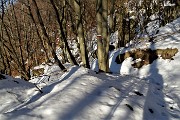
167 70
83 94
149 93
13 92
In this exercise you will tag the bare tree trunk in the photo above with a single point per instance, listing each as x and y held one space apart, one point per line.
7 61
84 55
99 32
37 31
19 39
47 37
3 58
106 35
60 22
2 61
1 38
111 20
11 51
25 73
103 38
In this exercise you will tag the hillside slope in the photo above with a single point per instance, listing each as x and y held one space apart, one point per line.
148 93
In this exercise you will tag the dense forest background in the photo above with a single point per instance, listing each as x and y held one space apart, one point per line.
33 32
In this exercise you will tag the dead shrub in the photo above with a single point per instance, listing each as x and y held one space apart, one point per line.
38 72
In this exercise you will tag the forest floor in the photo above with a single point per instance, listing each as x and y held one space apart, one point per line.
151 92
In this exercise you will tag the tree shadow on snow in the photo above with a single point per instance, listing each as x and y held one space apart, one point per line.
23 110
122 86
155 106
92 102
129 100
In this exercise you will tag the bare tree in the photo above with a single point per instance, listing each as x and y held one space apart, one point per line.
80 30
102 37
3 67
60 16
30 13
112 17
47 37
12 43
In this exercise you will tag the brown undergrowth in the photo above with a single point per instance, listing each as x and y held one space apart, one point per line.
38 72
146 56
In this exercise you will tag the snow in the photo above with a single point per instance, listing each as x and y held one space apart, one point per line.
149 93
167 3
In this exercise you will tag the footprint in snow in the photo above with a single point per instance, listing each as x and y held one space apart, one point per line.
130 107
172 104
16 81
150 110
161 104
138 93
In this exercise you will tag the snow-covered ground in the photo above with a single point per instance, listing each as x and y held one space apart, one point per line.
149 93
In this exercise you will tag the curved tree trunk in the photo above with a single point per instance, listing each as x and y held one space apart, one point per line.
37 31
47 37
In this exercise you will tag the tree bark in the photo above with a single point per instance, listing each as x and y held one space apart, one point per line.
99 32
111 19
47 37
106 35
60 22
37 31
84 55
102 37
